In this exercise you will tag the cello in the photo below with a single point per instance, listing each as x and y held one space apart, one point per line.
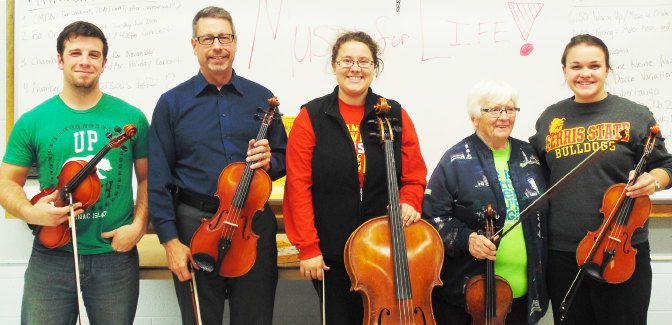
218 245
488 296
606 254
77 179
394 267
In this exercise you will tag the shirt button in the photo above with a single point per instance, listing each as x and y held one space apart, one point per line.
226 136
230 157
223 115
222 95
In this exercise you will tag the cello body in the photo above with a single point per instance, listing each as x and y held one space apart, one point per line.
369 252
394 267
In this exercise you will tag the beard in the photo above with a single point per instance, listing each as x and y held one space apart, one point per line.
218 67
83 85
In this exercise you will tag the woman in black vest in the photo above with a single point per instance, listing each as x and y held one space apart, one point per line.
336 178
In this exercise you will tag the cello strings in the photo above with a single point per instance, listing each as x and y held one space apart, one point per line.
396 250
401 260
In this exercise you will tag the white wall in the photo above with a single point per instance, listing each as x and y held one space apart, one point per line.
295 301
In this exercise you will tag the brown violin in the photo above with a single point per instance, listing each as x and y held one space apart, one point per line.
79 180
394 267
488 296
606 254
226 243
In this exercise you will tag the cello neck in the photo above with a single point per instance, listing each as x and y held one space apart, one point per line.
399 257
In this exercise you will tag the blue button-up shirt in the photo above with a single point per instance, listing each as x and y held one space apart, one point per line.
196 132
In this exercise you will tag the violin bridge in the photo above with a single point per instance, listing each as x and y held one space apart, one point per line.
616 239
235 225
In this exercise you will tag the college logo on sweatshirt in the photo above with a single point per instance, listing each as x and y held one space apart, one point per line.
578 140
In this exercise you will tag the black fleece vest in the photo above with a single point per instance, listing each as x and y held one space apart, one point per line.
337 205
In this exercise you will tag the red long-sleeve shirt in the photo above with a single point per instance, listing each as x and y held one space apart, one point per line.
298 199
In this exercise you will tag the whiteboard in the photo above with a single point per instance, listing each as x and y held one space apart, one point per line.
434 52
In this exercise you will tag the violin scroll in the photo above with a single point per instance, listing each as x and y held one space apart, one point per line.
129 131
273 102
655 129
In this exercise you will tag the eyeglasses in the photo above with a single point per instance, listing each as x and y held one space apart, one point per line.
497 111
346 63
209 40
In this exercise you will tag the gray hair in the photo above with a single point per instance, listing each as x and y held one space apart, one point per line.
215 12
489 90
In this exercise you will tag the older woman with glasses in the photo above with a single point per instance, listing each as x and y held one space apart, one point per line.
489 168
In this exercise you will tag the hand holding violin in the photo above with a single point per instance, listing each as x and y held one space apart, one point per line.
45 213
646 183
481 247
260 152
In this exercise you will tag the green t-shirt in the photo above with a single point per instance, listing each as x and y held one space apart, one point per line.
52 133
511 263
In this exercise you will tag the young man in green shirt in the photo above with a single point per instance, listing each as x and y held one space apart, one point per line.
73 125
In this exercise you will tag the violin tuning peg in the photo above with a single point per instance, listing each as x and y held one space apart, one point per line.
278 112
256 117
109 135
394 121
260 110
117 129
374 135
397 128
371 123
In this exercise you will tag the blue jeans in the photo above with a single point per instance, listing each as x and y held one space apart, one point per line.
110 287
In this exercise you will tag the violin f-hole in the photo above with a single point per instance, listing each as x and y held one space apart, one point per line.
418 309
380 316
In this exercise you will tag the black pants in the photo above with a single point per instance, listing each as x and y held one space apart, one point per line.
625 303
251 296
343 307
447 314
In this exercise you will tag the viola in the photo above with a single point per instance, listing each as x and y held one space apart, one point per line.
606 254
394 267
77 179
226 243
488 296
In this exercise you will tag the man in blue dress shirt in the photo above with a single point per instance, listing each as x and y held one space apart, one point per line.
198 128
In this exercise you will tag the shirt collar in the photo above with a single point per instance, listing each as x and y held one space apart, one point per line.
200 83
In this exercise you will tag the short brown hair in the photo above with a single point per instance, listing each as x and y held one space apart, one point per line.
80 28
215 12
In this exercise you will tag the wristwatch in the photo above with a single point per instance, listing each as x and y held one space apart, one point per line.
657 185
